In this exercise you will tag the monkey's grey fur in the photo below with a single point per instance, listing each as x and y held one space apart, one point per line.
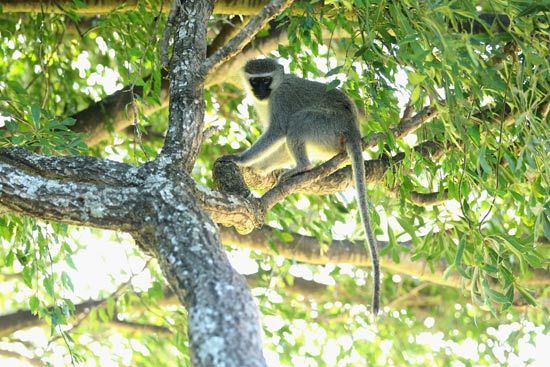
303 121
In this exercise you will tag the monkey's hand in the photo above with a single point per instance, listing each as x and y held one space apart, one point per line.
230 158
286 174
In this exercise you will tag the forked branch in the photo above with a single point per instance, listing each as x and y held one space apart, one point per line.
237 43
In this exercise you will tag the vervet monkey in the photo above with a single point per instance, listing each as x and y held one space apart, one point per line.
302 121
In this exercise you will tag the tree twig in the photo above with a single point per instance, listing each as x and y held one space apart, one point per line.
236 44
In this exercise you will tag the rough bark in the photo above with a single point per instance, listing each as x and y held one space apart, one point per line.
96 205
223 323
229 179
165 219
186 119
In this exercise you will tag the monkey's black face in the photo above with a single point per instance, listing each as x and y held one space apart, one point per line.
260 86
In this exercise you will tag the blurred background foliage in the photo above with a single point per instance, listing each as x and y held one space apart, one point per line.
483 66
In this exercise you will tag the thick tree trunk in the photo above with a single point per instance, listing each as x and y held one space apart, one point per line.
166 221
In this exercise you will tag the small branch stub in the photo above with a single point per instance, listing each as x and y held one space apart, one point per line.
228 179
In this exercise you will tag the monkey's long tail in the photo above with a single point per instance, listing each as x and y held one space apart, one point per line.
354 150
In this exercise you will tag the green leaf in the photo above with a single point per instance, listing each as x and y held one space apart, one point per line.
156 291
408 227
458 258
27 275
69 121
8 261
284 236
36 111
34 302
333 84
66 281
546 226
16 87
70 262
495 295
48 285
534 259
483 161
416 78
336 70
473 133
415 94
527 296
391 235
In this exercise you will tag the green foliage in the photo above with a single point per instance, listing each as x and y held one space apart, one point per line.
490 121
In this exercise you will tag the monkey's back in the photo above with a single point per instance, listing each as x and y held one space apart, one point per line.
295 94
304 110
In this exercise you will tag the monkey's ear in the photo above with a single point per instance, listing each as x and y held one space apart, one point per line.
281 67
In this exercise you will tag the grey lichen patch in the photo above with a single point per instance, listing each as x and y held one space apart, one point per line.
208 191
213 351
97 210
211 228
32 189
196 248
224 289
203 319
27 185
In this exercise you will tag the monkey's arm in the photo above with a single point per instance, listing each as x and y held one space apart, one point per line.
268 143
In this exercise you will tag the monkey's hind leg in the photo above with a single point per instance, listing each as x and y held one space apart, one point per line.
296 146
263 147
277 160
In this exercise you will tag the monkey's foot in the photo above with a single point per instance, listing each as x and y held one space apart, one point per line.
287 174
229 158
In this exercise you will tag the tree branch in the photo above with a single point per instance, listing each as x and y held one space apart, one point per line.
240 212
223 321
23 319
496 23
111 113
131 326
229 29
82 169
186 118
95 7
167 33
100 206
235 45
308 249
227 175
405 127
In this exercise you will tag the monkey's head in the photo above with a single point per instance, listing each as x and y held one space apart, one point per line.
263 76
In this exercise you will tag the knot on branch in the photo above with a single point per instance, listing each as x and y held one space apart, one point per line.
227 178
245 223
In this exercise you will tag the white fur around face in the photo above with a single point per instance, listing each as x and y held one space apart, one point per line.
262 106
